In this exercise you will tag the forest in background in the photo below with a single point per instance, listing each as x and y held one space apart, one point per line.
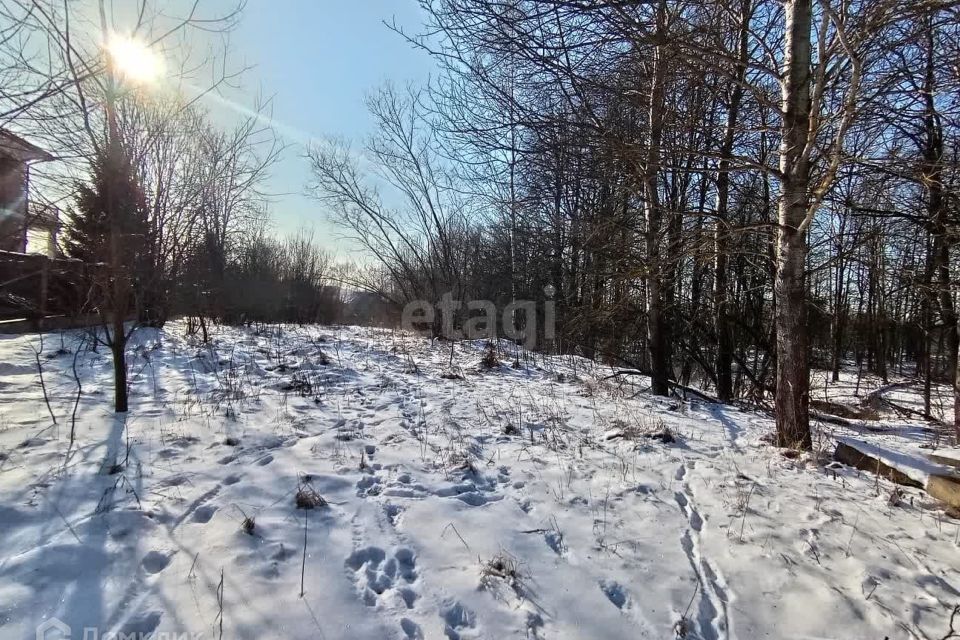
720 194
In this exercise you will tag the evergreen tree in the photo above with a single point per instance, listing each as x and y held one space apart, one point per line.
87 234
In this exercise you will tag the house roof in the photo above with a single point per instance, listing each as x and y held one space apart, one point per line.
13 146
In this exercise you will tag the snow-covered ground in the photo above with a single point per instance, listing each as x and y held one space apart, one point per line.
907 393
459 503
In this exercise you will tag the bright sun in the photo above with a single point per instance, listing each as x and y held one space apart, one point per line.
134 59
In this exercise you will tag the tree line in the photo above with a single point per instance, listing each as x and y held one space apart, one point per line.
722 193
726 192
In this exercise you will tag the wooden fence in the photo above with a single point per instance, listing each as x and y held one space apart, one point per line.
34 287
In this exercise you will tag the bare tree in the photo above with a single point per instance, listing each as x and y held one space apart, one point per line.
420 241
70 85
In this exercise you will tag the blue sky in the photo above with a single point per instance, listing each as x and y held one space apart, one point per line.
317 59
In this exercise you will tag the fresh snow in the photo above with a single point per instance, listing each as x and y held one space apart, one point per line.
457 501
911 461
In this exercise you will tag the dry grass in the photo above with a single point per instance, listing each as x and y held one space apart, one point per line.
502 568
489 359
643 429
308 498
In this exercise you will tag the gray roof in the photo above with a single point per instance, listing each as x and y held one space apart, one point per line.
13 146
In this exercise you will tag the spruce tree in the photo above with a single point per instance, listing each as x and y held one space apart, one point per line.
87 234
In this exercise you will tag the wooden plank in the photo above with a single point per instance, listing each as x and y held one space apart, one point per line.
942 487
950 462
856 458
946 489
50 323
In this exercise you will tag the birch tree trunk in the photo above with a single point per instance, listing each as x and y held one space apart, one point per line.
793 380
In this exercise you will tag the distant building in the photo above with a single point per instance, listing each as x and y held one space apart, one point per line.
19 221
369 309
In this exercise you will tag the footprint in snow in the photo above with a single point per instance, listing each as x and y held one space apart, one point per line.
204 514
615 593
681 500
174 481
469 493
403 486
696 521
409 596
477 499
457 619
368 485
411 629
393 512
282 554
554 540
141 625
271 568
378 574
155 561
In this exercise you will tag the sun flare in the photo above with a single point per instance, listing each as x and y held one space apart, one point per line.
133 59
